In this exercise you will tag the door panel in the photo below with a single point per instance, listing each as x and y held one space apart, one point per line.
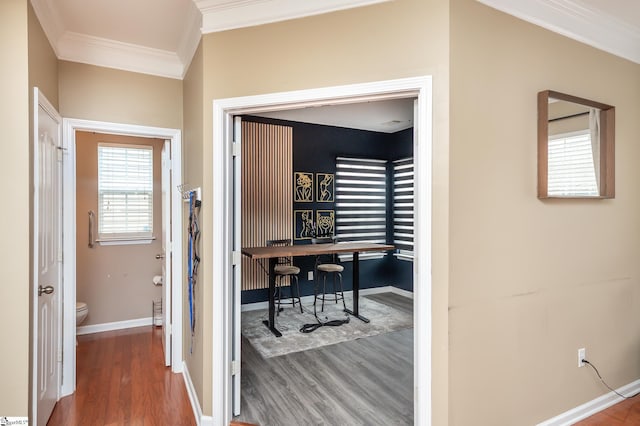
166 252
47 254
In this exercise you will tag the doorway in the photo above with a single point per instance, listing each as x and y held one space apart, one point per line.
173 293
225 301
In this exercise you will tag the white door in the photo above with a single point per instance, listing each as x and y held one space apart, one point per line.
165 256
47 256
236 274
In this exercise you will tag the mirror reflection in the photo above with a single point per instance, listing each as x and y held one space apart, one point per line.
575 147
574 141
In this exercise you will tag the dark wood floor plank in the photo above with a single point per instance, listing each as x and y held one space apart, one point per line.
122 380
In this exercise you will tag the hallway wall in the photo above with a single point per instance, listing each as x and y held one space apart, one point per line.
14 216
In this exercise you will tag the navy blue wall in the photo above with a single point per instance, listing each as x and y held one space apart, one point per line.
315 148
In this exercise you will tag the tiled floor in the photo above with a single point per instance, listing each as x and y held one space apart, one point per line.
625 413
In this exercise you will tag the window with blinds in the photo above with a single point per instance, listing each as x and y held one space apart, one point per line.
403 208
125 192
571 167
361 202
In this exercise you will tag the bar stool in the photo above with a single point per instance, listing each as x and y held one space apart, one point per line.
284 268
325 265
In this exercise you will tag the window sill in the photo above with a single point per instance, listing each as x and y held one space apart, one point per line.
125 241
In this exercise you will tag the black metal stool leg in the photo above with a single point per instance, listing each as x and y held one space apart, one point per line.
324 290
298 290
342 290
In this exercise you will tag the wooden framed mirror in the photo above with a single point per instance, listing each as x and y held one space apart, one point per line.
576 147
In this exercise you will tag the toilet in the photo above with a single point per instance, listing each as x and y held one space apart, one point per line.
82 310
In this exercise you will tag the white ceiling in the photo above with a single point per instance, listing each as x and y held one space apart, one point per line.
388 116
159 37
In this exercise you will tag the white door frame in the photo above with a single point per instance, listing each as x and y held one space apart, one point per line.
70 126
223 112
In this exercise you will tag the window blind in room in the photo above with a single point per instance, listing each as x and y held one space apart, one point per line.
361 202
125 191
571 167
403 207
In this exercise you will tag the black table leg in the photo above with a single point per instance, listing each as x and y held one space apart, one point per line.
356 289
271 323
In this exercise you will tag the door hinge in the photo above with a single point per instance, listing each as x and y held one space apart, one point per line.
169 330
235 368
236 258
235 149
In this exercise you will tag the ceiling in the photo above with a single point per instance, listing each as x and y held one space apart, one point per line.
160 37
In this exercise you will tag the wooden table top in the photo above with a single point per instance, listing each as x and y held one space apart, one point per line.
312 249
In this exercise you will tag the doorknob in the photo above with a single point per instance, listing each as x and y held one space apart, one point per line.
160 256
46 290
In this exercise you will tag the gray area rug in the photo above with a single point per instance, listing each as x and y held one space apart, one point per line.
383 319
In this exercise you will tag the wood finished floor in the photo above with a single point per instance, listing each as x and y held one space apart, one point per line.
625 413
368 381
122 380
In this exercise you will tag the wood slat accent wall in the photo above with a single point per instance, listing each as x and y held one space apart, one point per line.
267 193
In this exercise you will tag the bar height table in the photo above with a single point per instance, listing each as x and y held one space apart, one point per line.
273 252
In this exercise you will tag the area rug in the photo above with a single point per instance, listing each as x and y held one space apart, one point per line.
383 319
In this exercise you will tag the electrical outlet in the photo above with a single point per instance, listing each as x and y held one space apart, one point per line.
310 275
582 354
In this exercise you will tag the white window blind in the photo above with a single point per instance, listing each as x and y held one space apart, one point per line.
571 168
361 202
125 192
403 208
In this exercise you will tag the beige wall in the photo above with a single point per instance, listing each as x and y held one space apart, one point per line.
532 281
14 216
192 156
43 64
103 94
114 280
392 40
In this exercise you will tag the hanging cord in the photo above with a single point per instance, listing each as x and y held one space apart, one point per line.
605 383
194 230
190 272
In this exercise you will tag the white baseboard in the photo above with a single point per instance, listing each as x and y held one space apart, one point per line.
592 407
309 299
193 398
109 326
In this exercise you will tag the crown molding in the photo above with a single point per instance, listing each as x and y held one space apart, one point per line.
70 46
191 38
50 21
123 56
222 15
577 20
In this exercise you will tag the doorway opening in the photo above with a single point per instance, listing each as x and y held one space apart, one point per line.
226 301
172 293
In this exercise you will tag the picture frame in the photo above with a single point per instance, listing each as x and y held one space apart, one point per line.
325 187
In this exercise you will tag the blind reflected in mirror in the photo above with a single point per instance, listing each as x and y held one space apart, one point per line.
575 147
